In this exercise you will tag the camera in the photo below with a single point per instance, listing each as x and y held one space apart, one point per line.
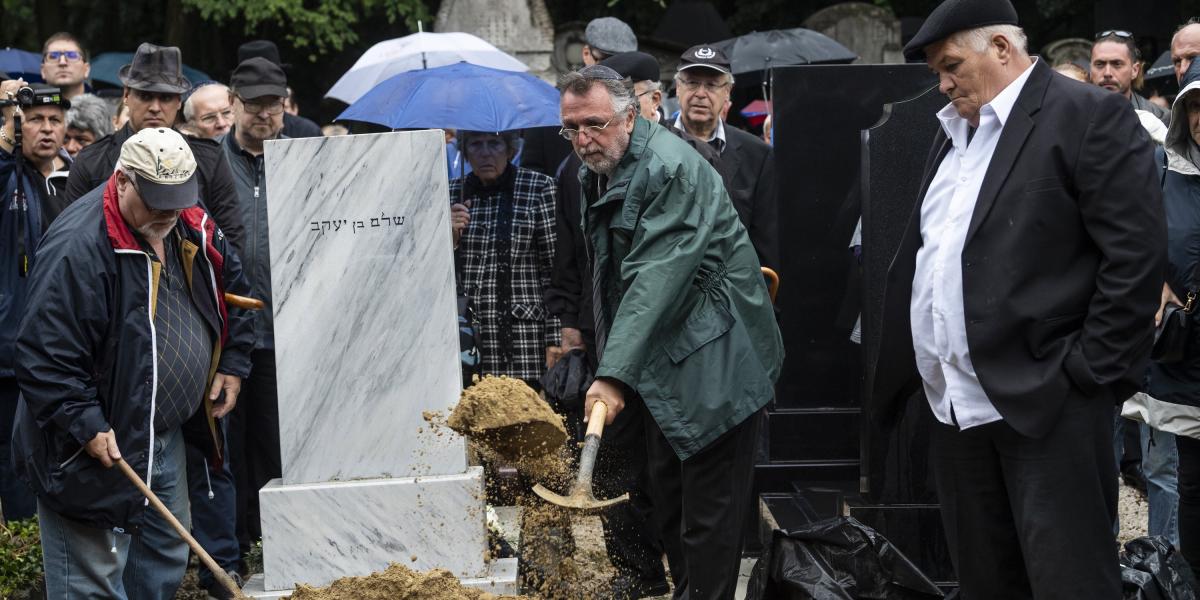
26 97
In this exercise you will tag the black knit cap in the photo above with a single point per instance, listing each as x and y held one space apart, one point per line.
953 16
637 66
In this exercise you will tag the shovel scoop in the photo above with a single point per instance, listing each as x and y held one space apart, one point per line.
581 497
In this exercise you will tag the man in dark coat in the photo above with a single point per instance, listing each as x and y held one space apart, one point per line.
294 125
703 84
154 86
1023 295
126 349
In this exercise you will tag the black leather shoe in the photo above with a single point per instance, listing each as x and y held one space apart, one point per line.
626 586
216 591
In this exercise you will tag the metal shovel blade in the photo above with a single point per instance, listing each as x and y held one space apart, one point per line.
580 499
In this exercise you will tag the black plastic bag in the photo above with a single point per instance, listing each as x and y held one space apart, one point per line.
1152 569
836 559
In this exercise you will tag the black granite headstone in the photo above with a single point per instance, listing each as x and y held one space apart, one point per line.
819 112
896 459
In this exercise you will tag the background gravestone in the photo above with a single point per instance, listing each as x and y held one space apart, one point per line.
872 32
366 345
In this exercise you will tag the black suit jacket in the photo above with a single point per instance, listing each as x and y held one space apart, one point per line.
1063 262
748 168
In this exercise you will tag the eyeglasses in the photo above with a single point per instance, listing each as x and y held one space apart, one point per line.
644 93
70 55
1116 33
211 118
569 134
273 107
693 85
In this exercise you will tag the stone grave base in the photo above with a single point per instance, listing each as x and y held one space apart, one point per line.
317 533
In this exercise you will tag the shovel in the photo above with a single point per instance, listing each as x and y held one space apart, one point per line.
581 497
162 509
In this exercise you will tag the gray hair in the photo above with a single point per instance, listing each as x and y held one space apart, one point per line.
463 138
90 113
619 90
978 39
189 109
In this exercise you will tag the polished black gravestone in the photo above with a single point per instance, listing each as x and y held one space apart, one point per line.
819 112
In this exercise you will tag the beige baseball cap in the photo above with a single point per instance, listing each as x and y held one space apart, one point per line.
163 168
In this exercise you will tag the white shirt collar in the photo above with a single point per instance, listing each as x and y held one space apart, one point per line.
956 127
718 133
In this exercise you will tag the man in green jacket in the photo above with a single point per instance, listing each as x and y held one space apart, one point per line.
684 327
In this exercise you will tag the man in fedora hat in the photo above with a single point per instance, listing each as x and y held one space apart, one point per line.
126 349
1021 301
154 87
294 125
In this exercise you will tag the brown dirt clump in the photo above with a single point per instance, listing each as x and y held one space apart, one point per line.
508 417
397 583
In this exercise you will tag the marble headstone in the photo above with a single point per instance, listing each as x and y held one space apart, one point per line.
366 333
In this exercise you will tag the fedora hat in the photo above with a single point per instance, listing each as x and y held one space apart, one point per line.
155 69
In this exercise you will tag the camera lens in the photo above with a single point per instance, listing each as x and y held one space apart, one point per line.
25 96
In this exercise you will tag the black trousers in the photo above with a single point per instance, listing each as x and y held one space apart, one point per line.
1032 518
1189 500
254 443
700 507
16 499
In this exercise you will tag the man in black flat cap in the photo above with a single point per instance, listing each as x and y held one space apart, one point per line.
294 125
1023 293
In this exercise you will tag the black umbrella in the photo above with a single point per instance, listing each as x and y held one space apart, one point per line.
1161 67
756 52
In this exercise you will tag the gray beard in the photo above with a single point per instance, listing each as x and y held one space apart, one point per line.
602 166
153 232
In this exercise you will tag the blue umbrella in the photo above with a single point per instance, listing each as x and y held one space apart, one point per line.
458 96
19 63
106 66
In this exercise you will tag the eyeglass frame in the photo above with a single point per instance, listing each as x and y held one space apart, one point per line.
247 104
50 56
570 134
692 85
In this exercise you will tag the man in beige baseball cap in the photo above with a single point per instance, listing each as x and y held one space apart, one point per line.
127 342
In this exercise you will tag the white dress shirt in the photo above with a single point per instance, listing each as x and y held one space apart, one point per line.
939 329
718 134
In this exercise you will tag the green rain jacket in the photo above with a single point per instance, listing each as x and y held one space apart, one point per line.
679 291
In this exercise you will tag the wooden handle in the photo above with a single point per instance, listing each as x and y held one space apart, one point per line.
596 419
243 302
162 509
773 282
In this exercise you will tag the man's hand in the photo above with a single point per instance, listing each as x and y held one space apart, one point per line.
8 91
608 393
571 339
553 353
1168 297
232 384
103 448
460 217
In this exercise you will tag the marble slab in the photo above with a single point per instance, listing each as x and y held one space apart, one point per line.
366 331
316 533
501 579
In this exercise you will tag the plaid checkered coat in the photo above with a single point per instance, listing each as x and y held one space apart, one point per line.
520 349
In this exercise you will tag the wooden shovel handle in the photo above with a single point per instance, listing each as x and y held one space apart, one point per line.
162 509
243 302
596 419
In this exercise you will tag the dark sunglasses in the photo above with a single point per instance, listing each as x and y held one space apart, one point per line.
72 55
1114 32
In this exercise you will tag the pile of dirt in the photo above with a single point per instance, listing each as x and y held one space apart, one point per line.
509 418
397 583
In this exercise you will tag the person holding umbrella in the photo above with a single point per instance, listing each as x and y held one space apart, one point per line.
504 236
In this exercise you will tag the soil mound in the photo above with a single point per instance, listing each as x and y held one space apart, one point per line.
508 417
398 583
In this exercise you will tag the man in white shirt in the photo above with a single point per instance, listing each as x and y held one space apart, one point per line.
1023 294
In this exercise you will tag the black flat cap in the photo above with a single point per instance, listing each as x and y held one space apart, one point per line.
637 66
264 48
953 16
257 77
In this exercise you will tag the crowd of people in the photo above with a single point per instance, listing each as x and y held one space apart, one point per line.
631 242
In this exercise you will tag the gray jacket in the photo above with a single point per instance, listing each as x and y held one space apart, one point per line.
250 180
1141 103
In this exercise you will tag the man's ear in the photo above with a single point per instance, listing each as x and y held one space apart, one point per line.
1004 49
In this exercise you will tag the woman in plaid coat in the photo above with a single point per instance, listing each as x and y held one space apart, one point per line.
504 234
